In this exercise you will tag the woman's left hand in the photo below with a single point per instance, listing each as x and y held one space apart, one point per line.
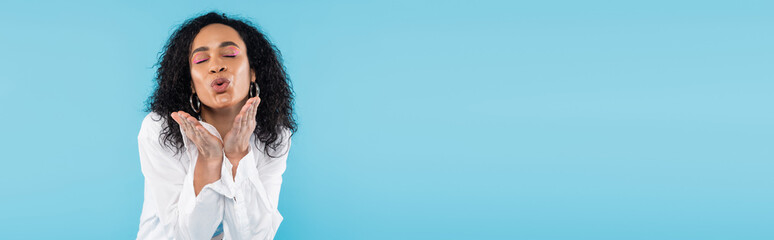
236 143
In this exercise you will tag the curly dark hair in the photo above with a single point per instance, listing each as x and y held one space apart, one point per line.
173 81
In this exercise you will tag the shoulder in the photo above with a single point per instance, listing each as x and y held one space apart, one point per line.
285 134
152 124
151 127
158 157
283 142
152 135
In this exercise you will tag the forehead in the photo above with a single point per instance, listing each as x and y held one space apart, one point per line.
212 35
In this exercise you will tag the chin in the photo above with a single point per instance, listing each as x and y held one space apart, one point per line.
223 100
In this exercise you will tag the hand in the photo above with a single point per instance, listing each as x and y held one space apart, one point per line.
210 147
237 141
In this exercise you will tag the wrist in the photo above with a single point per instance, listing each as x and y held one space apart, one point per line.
236 155
211 156
208 167
210 161
206 171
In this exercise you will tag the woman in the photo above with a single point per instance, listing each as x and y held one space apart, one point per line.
214 146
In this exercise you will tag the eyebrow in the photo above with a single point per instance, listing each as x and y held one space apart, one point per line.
223 44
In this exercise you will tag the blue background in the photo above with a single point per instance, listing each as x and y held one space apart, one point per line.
422 120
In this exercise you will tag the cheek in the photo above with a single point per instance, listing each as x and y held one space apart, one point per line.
243 64
244 73
244 70
198 80
196 74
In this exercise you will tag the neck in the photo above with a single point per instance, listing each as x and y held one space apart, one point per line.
222 118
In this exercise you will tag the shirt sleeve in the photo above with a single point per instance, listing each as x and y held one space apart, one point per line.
254 213
181 213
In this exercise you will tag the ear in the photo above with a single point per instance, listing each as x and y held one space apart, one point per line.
252 75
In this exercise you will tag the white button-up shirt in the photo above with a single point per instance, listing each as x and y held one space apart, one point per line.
245 207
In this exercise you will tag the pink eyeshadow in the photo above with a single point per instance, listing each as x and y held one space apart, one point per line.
236 51
199 60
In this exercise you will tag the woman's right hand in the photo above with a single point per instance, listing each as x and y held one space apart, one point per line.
210 147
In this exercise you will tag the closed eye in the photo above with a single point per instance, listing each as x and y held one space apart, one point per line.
204 60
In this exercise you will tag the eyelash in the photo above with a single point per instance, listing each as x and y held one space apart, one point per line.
230 56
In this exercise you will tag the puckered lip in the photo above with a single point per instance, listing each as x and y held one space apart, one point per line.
219 80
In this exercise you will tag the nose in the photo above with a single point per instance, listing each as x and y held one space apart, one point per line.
221 69
217 66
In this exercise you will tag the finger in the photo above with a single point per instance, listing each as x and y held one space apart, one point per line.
251 124
207 136
246 121
202 133
188 131
199 133
255 111
243 116
255 106
245 108
194 121
205 143
185 115
246 114
179 118
182 121
174 117
193 125
190 119
183 124
188 126
235 126
251 115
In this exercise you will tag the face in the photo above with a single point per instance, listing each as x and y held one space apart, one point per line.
219 67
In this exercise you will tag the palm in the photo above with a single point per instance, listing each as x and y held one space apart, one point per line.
230 141
207 144
237 140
